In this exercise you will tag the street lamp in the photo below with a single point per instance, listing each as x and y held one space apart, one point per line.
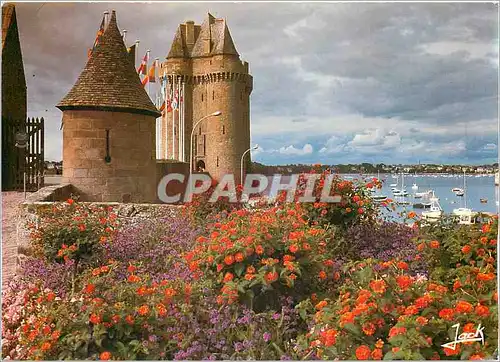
242 156
191 156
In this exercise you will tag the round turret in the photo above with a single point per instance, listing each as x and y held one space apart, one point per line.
109 127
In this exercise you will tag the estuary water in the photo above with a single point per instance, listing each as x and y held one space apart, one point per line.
477 187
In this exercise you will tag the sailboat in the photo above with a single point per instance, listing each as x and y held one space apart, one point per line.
403 191
464 215
415 186
394 185
435 211
379 197
458 191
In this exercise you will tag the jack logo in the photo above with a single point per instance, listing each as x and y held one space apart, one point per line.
477 336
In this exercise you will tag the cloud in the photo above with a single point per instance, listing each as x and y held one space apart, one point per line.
366 81
291 150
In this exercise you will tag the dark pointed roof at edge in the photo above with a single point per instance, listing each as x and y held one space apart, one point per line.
109 81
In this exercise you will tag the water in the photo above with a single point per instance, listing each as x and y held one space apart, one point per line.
477 187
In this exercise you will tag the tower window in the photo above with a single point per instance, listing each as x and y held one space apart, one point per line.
223 129
204 145
213 95
241 95
217 160
202 97
200 130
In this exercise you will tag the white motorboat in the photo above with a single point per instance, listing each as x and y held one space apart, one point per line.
419 195
414 187
456 189
393 185
400 193
435 211
379 197
465 216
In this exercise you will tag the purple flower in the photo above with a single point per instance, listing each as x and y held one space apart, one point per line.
276 316
267 336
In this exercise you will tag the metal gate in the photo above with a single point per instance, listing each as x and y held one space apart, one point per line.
22 154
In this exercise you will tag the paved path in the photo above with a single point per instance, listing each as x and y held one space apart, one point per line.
10 203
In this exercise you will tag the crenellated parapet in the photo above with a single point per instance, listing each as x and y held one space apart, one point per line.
209 78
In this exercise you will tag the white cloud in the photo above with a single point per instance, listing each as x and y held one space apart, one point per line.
291 150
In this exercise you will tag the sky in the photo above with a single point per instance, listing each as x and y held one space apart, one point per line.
333 82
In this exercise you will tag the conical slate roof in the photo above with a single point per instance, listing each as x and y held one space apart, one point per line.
109 81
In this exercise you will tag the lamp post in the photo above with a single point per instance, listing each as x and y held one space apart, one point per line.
242 156
191 156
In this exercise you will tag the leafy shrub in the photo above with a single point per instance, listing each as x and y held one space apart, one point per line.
71 230
262 255
384 312
355 206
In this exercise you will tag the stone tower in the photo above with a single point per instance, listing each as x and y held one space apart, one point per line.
109 127
204 61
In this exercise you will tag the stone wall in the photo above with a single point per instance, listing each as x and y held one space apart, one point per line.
130 174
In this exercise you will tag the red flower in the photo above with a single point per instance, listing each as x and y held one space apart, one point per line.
360 211
395 331
293 248
363 352
466 249
70 201
143 310
329 337
89 289
104 356
422 320
271 277
404 281
131 268
95 319
239 257
45 346
51 296
402 265
464 307
129 319
369 328
446 314
229 259
322 274
434 244
482 310
378 286
377 354
452 352
259 249
228 277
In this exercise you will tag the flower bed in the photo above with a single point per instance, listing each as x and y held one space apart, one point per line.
291 281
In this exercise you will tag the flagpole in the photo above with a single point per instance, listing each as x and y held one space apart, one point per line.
147 74
183 124
167 94
178 118
136 52
173 117
124 36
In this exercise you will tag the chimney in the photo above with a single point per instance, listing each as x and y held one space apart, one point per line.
190 33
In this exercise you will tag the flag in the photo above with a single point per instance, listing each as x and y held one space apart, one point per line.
152 73
162 108
169 106
145 81
97 37
175 102
144 64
